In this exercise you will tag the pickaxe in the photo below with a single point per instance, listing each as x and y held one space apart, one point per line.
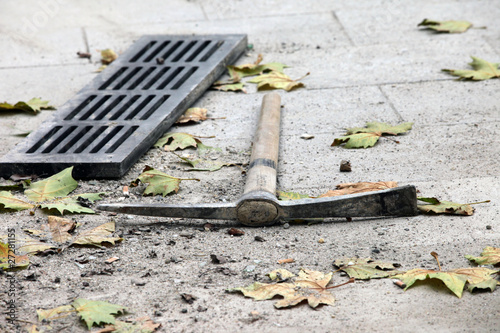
258 206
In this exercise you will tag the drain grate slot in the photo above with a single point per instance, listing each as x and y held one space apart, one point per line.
142 51
106 139
157 51
122 139
113 78
155 107
211 51
118 116
72 140
46 138
185 77
198 51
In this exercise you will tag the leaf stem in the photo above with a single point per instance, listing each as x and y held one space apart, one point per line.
435 255
479 202
189 179
205 137
351 280
390 139
303 76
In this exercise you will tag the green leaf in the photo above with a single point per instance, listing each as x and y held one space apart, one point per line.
229 86
276 80
489 256
365 269
359 140
236 73
159 182
173 141
59 185
55 313
364 137
34 106
483 70
446 26
382 128
97 236
455 280
204 164
9 201
97 312
291 196
444 207
9 260
72 203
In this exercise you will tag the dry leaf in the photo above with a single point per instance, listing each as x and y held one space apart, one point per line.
455 279
489 256
34 106
98 236
173 141
365 269
436 206
483 70
159 182
308 285
446 26
276 80
55 313
193 114
108 56
60 227
229 86
9 260
354 188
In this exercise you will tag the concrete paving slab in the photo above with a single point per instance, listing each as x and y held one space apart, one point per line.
68 13
291 33
313 112
47 47
384 63
393 22
417 157
446 102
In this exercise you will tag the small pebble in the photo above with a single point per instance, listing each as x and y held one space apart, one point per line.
488 227
306 136
259 239
345 166
286 226
250 268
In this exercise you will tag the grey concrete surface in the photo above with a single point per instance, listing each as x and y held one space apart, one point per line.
368 61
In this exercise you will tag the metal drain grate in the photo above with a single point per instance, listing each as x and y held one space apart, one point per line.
116 118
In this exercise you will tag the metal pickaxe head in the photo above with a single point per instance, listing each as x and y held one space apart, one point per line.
259 206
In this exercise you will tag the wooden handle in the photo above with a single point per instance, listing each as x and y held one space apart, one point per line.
261 174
